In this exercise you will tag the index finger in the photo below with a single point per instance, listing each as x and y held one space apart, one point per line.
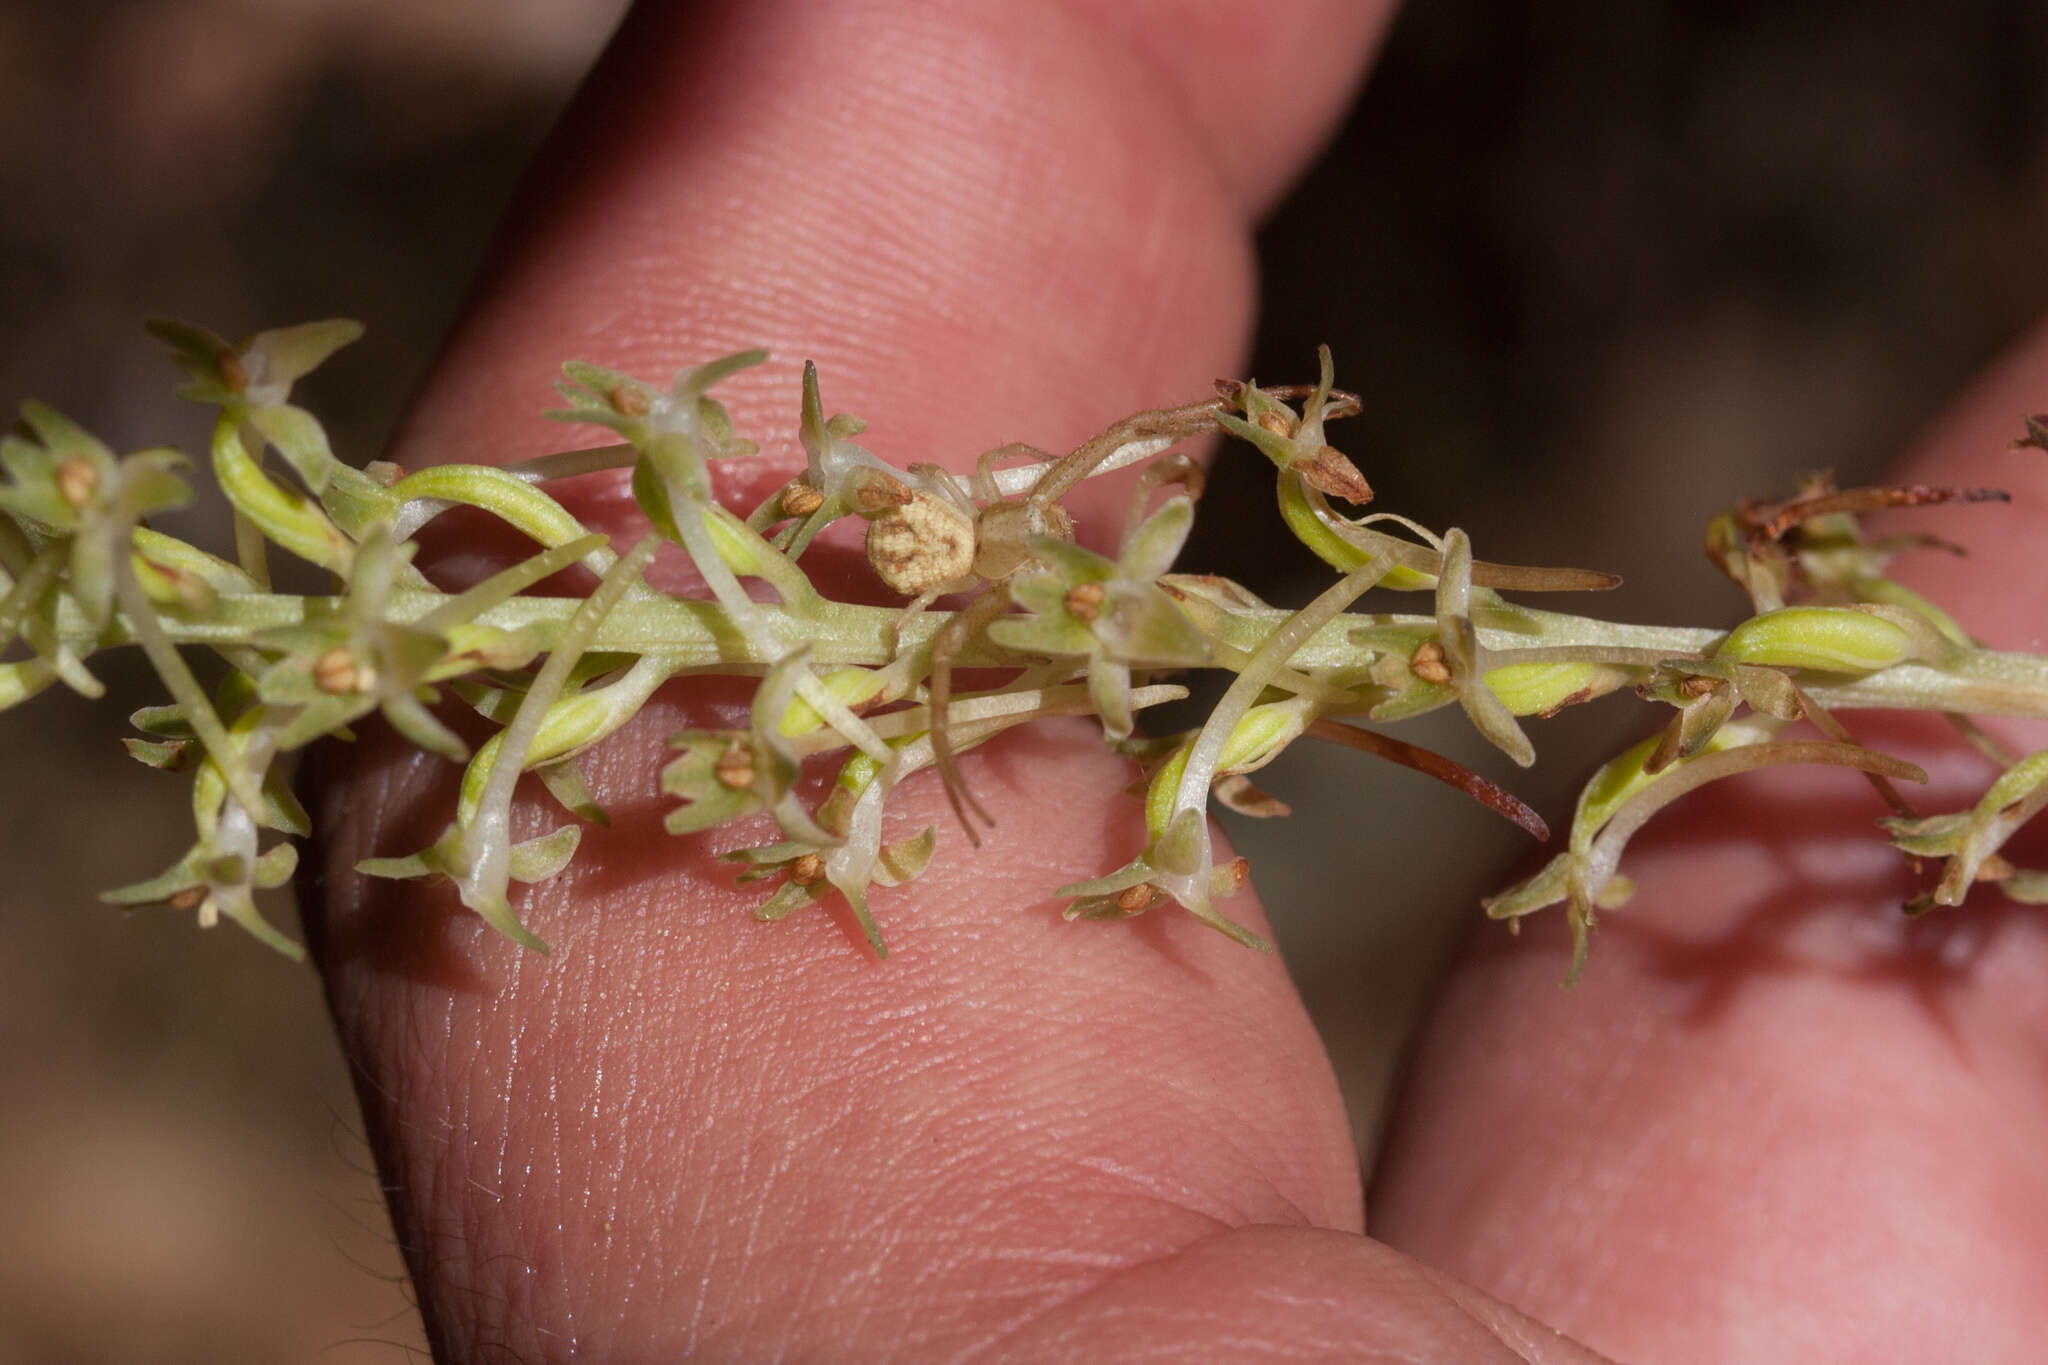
685 1131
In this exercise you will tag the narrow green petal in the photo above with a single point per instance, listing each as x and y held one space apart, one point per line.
1142 625
564 781
787 900
183 875
291 353
409 868
536 860
696 381
1156 543
1546 888
299 437
904 860
1109 688
275 867
1134 873
1272 445
416 723
1073 563
1042 592
242 910
196 350
1056 637
64 438
496 910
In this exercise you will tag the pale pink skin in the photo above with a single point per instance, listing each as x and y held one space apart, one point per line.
1769 1125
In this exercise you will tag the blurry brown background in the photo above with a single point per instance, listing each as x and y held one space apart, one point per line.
1598 266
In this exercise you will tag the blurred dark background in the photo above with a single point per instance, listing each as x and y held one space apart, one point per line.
1599 267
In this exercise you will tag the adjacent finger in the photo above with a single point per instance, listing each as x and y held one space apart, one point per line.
1778 1120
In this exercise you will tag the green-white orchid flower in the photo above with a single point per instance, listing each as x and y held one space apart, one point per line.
1970 840
337 667
853 860
1298 444
251 380
840 478
84 504
1112 612
220 874
677 431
